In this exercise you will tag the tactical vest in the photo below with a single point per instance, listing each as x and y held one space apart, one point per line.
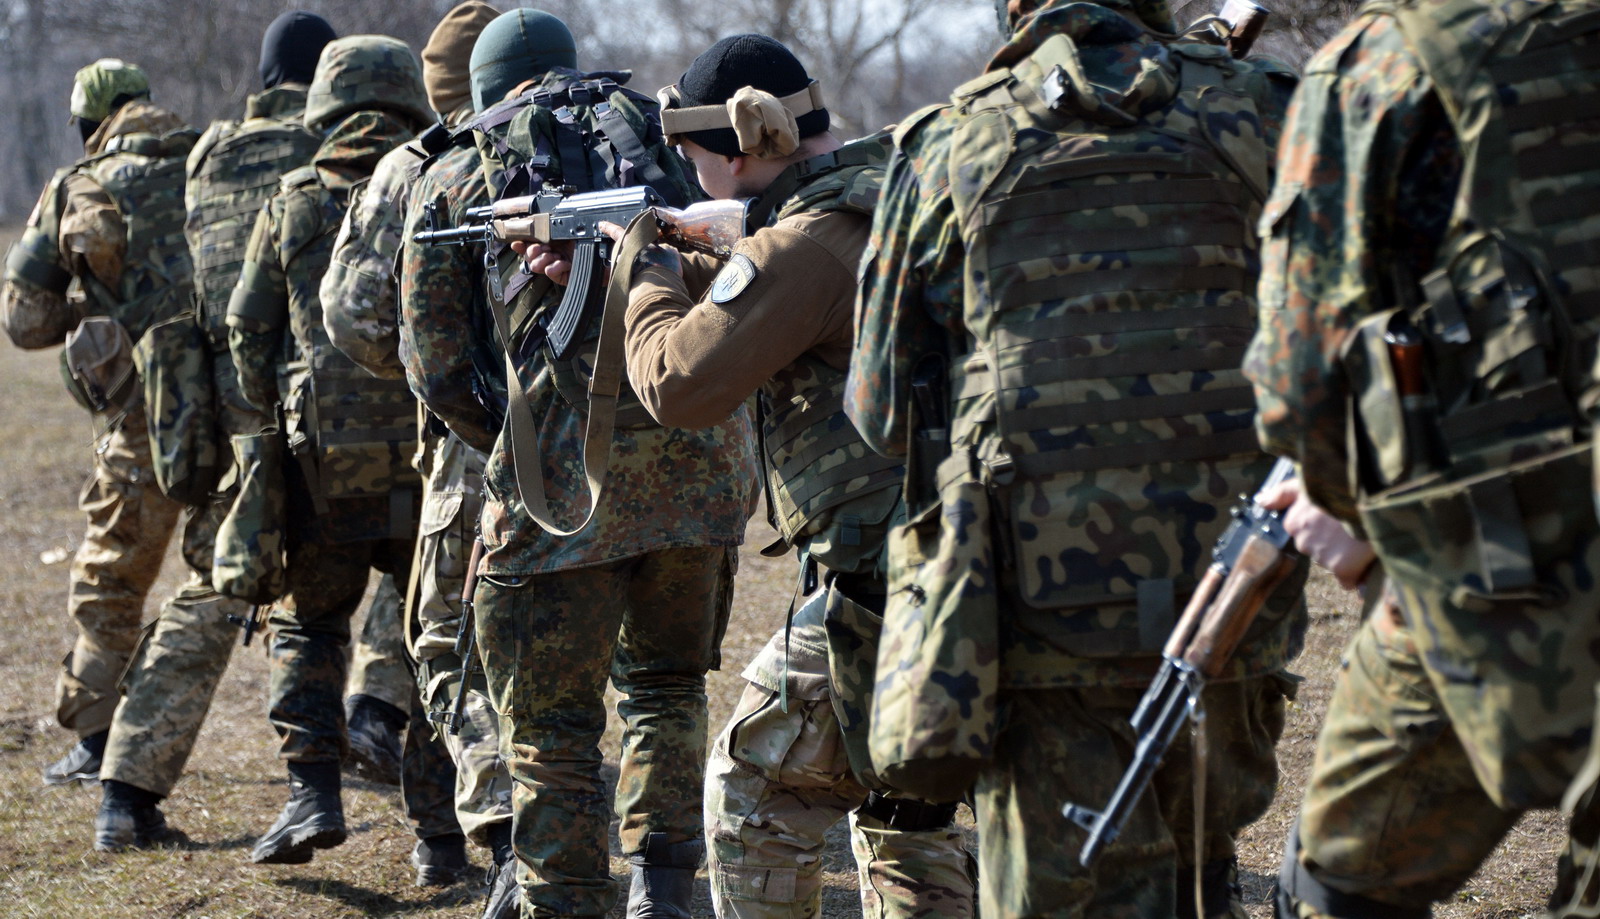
143 175
1467 396
1110 279
229 180
829 492
359 431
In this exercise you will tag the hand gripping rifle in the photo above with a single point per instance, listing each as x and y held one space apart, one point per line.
1250 560
556 214
466 645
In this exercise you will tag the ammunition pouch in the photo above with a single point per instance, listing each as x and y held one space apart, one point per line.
98 367
935 707
174 364
248 562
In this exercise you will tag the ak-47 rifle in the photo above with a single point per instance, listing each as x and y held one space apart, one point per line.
1251 559
556 214
466 645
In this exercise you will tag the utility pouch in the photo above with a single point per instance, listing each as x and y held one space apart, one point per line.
1500 536
934 720
97 365
180 400
853 631
248 561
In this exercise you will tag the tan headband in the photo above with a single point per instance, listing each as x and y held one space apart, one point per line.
675 121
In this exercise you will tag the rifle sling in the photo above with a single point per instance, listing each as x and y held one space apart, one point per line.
604 386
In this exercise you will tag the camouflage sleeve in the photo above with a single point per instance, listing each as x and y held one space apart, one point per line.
94 237
910 296
33 304
436 303
258 312
1365 180
358 292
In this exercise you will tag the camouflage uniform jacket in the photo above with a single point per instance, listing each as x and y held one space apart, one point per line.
77 237
1367 175
358 292
913 297
278 288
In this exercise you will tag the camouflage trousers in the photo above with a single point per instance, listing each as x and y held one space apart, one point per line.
654 624
1072 745
378 664
1395 812
452 496
776 783
309 668
130 523
168 688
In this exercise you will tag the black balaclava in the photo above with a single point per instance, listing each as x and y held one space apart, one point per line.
290 47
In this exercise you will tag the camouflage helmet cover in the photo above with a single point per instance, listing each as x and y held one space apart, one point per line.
364 72
96 87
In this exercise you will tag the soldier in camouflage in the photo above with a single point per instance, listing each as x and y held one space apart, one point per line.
106 241
775 324
350 492
360 313
1427 303
641 590
1058 291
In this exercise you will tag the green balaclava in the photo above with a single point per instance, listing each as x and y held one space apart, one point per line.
517 46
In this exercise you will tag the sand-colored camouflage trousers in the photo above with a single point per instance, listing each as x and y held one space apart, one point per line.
1395 815
653 624
1072 744
451 499
130 523
310 639
778 780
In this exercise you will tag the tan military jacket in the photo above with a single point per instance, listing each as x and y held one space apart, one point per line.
693 362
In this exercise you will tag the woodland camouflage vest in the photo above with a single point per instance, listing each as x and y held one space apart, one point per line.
362 429
1472 489
232 172
1110 293
829 491
143 174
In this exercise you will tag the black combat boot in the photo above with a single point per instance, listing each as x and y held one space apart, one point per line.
505 895
374 728
130 819
313 818
82 762
663 877
441 860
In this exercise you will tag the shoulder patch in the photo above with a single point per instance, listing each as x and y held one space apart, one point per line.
733 278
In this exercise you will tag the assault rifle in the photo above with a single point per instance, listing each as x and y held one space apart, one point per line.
557 214
1250 560
466 645
251 622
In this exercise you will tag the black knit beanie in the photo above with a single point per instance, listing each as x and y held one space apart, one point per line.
734 63
290 47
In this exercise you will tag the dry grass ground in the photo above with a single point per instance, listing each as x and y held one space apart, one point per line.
234 784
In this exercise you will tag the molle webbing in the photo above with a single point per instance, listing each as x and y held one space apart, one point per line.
239 173
1516 296
1111 271
148 192
815 457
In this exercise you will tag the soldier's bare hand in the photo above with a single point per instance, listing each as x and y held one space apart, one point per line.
1320 535
553 260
